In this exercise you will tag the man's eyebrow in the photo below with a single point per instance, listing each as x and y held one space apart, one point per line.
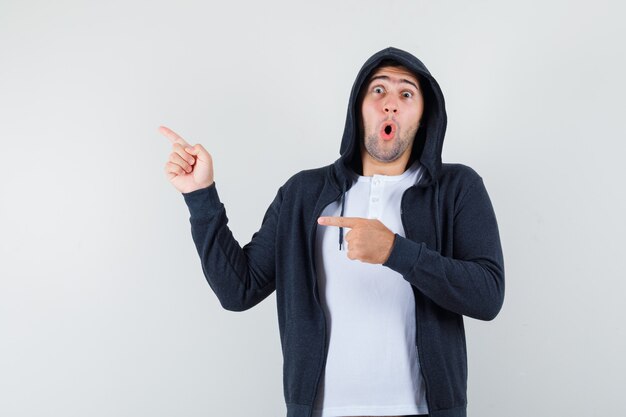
384 77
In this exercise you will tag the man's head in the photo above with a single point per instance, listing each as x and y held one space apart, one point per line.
392 105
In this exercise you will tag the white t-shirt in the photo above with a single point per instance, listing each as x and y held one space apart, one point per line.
372 367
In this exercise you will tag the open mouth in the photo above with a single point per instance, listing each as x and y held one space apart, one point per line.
388 130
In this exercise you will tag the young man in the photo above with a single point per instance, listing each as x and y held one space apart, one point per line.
371 320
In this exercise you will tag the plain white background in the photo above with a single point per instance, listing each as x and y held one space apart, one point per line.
104 310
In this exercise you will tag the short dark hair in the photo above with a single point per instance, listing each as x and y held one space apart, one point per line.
393 63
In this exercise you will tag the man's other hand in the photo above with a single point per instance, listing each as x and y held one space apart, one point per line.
368 240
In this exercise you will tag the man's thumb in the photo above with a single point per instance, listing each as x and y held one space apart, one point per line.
198 151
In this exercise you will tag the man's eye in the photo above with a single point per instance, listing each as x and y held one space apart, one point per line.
407 94
378 90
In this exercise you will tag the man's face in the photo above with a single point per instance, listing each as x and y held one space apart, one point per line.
391 109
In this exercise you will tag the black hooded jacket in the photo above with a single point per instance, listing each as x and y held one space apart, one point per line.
451 255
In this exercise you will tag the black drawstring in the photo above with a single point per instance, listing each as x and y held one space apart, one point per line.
343 201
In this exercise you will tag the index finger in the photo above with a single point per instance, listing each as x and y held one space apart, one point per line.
172 136
340 221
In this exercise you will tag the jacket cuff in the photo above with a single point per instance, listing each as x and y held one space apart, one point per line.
203 203
404 255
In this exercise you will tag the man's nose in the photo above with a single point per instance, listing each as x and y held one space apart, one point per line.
390 106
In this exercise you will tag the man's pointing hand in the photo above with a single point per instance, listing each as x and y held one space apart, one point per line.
369 240
189 168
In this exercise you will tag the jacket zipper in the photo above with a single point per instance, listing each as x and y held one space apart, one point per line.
417 332
324 347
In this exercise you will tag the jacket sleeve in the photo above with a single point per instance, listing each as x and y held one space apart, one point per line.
240 277
471 282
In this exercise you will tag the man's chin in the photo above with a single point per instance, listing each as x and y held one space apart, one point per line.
384 158
375 150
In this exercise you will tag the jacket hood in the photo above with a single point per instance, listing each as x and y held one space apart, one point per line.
429 138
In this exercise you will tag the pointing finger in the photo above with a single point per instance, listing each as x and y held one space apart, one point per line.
172 136
340 221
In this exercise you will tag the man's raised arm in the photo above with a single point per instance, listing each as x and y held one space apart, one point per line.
240 277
